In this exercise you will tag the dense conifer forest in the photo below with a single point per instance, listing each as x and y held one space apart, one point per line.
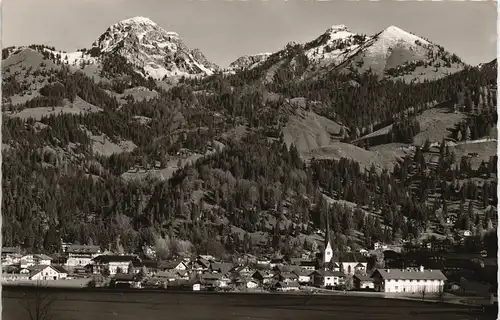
55 187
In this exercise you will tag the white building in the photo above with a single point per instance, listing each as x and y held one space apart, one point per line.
379 246
81 255
113 263
252 284
30 260
304 276
351 262
10 259
42 259
196 287
408 280
44 273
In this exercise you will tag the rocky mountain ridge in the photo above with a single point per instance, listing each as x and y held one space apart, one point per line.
391 53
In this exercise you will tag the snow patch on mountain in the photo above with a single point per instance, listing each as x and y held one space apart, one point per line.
398 54
334 46
74 58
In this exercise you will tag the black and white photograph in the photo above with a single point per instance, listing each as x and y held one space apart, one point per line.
249 160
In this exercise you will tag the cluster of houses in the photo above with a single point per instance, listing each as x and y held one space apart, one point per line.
16 266
347 270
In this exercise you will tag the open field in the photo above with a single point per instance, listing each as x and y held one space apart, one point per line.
76 305
79 106
435 125
484 151
337 150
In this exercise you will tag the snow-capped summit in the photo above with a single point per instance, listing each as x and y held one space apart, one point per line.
334 46
391 53
396 53
146 45
338 27
396 34
138 20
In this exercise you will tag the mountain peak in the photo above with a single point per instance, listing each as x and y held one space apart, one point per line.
138 20
396 33
150 47
394 29
337 28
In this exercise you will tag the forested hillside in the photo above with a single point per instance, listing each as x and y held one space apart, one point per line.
205 163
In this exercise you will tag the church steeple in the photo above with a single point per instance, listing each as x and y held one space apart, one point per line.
328 251
327 230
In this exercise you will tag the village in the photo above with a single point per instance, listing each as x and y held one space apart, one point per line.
415 271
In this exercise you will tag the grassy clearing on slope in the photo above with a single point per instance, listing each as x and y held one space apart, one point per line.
309 131
435 124
139 94
102 145
77 107
337 150
484 151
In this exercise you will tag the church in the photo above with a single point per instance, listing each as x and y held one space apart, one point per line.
348 262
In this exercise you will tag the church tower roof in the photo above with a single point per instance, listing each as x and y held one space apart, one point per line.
327 231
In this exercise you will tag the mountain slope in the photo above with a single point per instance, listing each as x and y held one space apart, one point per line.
391 54
398 54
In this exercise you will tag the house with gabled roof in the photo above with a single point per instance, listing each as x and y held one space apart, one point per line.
215 280
124 280
200 265
221 267
63 273
363 282
304 276
408 280
113 264
178 264
327 278
262 276
243 270
44 272
286 277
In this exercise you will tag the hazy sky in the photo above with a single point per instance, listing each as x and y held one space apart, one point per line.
226 30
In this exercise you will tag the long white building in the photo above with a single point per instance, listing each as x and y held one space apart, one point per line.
408 280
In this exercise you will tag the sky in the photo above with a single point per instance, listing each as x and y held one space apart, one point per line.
225 30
